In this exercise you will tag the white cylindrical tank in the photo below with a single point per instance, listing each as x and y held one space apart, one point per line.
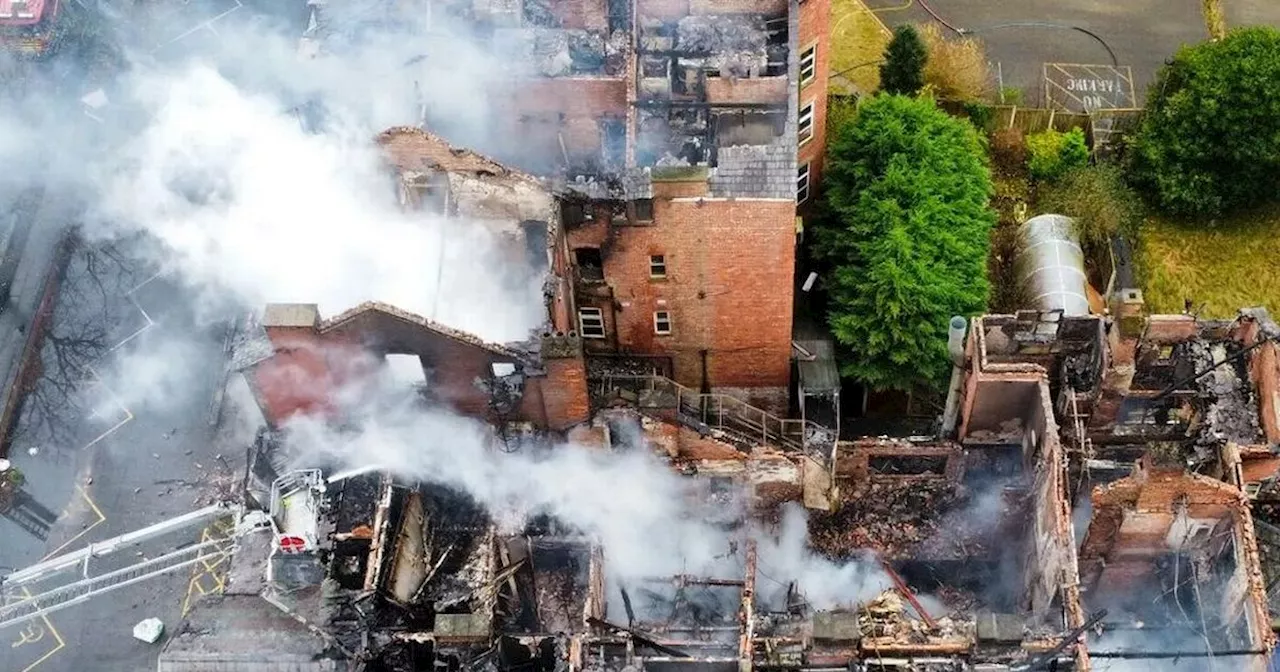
955 339
1050 265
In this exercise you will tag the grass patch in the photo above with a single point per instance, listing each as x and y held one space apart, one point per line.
1225 268
858 39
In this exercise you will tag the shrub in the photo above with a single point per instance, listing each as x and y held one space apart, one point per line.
1099 201
956 69
909 191
904 59
1052 154
1010 95
1008 293
1209 141
981 115
1009 151
841 109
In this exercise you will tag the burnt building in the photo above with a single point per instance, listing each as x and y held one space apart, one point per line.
1167 440
294 360
681 137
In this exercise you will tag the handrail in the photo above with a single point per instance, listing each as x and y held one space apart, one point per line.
722 411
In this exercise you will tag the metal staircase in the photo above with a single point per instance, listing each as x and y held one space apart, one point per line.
722 412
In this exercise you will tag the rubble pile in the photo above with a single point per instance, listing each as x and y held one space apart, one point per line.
558 600
893 518
886 617
1232 415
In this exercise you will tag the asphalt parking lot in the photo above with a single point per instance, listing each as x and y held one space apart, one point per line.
1141 33
114 452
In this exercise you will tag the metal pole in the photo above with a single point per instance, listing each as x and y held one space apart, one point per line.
1048 656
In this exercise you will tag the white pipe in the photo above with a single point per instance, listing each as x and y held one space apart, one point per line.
955 339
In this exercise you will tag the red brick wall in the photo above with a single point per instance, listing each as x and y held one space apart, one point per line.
1264 371
680 189
588 14
815 28
564 393
748 90
298 379
410 148
728 288
454 365
309 367
572 106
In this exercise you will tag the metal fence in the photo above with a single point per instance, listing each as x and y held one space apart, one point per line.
723 412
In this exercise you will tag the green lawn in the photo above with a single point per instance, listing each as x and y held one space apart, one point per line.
1225 268
858 39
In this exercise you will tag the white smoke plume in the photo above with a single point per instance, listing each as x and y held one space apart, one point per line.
645 515
244 198
252 171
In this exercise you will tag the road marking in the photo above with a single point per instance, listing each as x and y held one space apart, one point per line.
101 519
211 565
128 415
208 23
35 632
147 318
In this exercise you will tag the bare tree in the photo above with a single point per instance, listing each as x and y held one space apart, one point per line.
92 308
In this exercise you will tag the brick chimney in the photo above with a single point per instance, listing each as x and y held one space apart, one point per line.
564 389
296 379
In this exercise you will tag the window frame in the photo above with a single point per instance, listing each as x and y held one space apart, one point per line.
583 312
800 117
670 322
810 55
579 264
807 176
639 214
661 263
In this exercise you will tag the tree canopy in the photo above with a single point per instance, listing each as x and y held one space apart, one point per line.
1209 141
907 239
904 61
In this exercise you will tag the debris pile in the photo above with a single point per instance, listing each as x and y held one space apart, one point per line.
959 601
1232 414
558 599
892 518
886 617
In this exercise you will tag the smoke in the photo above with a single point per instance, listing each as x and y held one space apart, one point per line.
647 518
243 200
248 173
251 171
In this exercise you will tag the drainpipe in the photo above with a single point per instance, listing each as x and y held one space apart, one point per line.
955 348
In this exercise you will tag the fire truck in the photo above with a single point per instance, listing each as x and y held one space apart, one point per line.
30 28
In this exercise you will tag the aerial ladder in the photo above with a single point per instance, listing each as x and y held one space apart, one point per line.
77 576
